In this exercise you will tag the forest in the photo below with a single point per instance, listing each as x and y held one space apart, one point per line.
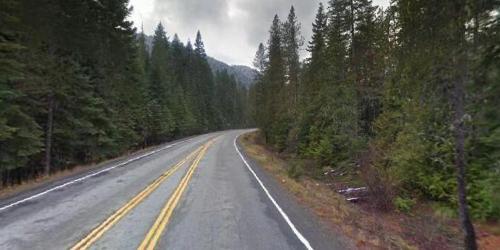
78 84
405 97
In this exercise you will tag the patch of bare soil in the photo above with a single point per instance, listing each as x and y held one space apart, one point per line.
489 236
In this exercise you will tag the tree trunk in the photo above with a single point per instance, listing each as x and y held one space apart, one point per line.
352 28
48 135
8 181
458 102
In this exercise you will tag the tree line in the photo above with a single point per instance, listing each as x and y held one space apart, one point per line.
406 97
78 84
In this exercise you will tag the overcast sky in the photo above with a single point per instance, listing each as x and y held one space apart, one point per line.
231 29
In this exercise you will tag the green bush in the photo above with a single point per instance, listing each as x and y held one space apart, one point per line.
484 195
403 204
295 170
444 210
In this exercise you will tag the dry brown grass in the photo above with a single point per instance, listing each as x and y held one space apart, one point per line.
489 235
42 180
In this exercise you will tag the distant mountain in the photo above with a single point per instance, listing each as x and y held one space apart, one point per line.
149 42
244 74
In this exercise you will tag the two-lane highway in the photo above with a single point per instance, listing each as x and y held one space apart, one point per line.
201 193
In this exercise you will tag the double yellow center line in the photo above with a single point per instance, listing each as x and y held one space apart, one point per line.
159 225
162 220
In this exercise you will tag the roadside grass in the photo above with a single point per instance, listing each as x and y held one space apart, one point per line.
39 181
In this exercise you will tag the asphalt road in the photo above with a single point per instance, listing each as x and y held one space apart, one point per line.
200 193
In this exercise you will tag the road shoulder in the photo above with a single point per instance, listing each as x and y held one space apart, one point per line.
319 234
25 190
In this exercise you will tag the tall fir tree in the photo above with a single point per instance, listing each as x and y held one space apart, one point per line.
274 113
292 42
20 135
160 119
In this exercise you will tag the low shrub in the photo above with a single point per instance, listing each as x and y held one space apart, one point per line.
295 170
404 204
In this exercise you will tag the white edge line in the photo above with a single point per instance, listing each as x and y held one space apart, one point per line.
88 176
283 214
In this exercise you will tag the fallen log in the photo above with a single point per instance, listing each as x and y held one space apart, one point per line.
353 199
352 190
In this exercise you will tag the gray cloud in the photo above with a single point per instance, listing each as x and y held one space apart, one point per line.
192 13
261 16
231 29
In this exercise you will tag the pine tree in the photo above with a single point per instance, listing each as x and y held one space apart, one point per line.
368 63
20 135
159 68
260 60
203 79
292 41
316 68
337 40
339 92
199 46
142 67
160 121
257 91
274 115
318 39
314 76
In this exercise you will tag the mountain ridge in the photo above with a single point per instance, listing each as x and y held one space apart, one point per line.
244 75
